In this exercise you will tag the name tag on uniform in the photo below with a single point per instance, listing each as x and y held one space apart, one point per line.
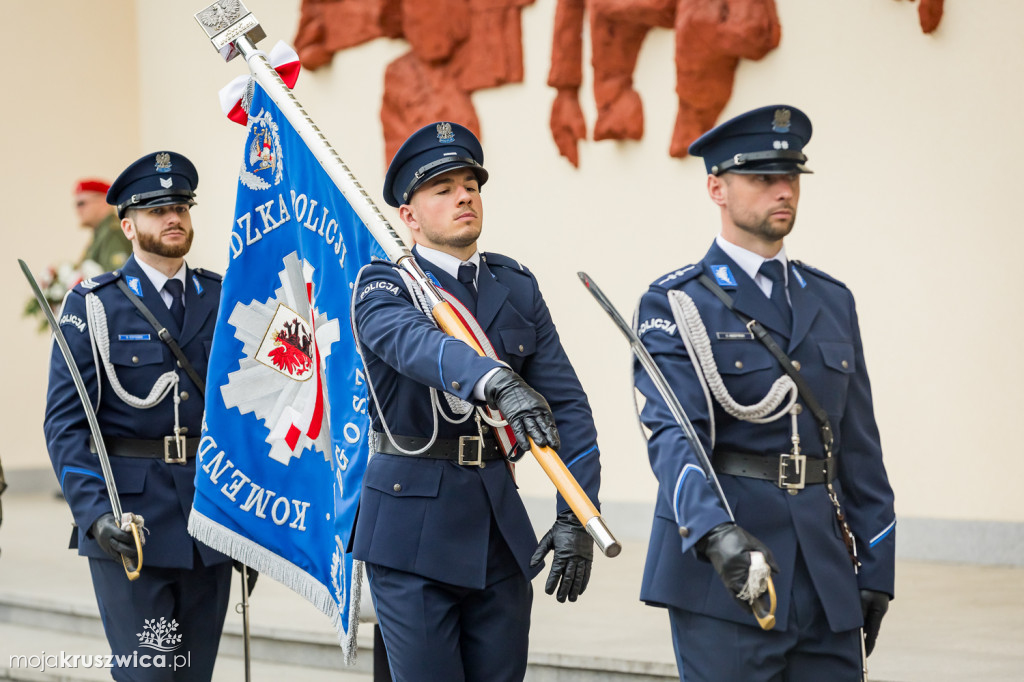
734 336
133 337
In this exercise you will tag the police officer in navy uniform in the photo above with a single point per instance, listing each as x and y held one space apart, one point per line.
141 394
698 558
448 546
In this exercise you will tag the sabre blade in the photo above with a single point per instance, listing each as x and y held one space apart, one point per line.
83 394
764 614
661 383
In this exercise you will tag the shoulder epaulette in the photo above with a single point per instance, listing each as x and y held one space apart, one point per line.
207 274
496 259
380 263
815 271
673 279
91 284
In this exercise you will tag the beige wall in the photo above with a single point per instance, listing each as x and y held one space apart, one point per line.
70 110
916 144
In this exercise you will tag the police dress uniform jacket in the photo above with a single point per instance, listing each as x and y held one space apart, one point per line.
825 340
161 492
433 517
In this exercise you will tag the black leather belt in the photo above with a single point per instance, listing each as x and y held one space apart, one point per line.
465 450
164 448
790 472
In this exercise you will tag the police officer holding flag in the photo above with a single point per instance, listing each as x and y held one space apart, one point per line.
448 546
765 355
147 394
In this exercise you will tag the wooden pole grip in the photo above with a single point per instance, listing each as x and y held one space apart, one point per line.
453 326
555 468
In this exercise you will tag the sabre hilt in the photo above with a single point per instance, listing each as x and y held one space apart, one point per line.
134 571
764 607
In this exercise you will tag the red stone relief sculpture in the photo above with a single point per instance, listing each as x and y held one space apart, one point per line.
456 48
929 13
711 37
449 59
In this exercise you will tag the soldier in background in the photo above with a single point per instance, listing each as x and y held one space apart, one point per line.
108 248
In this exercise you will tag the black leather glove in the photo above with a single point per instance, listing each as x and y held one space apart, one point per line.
112 540
873 605
525 410
728 548
251 575
574 555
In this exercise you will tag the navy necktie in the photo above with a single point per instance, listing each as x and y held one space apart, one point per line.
467 275
773 270
175 288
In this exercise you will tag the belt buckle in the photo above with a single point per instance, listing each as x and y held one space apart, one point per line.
792 480
175 454
479 461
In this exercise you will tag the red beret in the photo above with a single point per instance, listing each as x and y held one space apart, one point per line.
91 185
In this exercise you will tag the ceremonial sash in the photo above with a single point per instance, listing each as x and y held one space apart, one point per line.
502 431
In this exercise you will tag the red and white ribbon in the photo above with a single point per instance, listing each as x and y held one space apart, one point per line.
505 435
284 60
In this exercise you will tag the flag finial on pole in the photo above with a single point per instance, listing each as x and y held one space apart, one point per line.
225 21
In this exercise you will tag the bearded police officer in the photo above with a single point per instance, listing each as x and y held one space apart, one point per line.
144 395
448 546
798 458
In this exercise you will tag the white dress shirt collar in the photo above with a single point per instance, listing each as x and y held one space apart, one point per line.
448 262
750 262
159 279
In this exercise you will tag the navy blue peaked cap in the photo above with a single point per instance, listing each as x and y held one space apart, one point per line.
433 149
157 179
769 140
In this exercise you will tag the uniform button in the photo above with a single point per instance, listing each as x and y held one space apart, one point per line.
184 395
792 491
483 465
684 532
135 359
456 385
521 349
846 364
739 364
796 365
398 487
